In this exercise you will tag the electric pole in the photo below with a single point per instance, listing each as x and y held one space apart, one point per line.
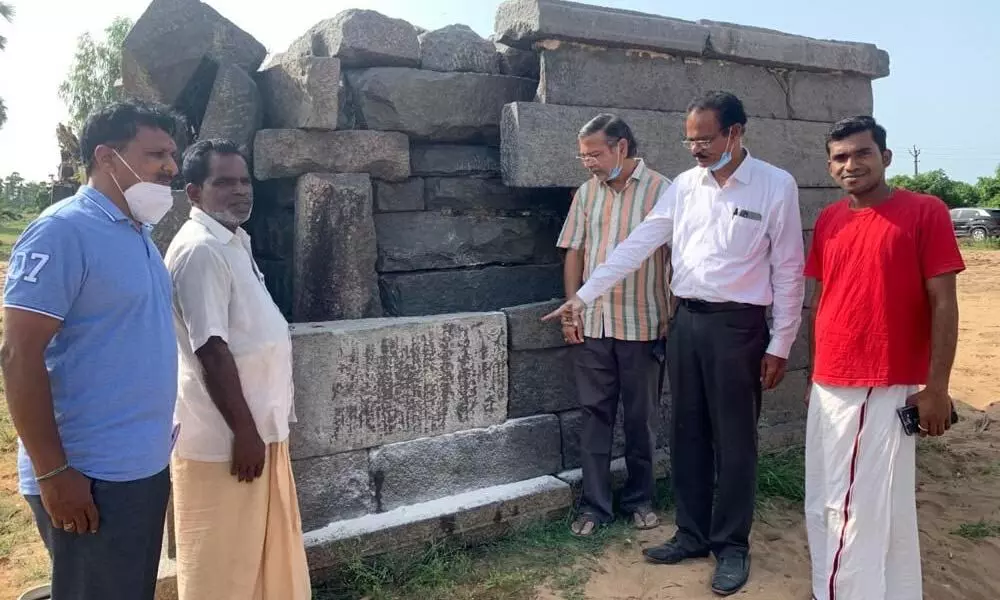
915 153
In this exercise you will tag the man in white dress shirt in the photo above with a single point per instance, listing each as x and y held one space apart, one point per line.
735 233
236 514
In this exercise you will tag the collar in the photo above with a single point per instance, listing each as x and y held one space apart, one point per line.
217 229
742 174
102 202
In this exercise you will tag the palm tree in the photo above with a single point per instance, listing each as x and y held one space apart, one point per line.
7 12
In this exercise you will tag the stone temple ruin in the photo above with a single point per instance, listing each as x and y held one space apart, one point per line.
410 185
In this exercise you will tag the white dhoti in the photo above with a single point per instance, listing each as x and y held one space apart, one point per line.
861 512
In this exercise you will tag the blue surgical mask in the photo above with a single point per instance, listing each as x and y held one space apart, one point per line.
726 157
617 170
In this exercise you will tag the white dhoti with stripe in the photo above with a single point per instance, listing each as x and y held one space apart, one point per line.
861 513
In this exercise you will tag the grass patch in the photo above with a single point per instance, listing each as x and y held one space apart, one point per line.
987 244
782 475
930 445
505 569
979 530
512 567
12 223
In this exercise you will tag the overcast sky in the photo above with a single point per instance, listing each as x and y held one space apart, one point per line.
942 94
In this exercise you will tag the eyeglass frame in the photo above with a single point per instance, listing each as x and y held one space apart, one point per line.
586 157
701 144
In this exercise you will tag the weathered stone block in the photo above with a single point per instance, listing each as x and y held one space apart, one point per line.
425 469
457 48
468 290
571 423
776 48
828 96
449 160
663 413
171 222
518 62
399 197
589 76
234 110
432 106
812 201
365 383
361 38
273 194
302 92
475 515
420 241
173 51
528 331
475 193
523 22
786 403
333 488
799 356
780 437
293 152
619 471
538 141
335 249
541 381
272 234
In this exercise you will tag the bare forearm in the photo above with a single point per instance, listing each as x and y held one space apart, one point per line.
573 272
29 399
222 380
944 341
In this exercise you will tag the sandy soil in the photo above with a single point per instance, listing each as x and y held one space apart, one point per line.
958 483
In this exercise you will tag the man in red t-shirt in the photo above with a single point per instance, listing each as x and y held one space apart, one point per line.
885 322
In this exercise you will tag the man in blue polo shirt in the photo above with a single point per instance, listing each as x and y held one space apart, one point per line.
90 361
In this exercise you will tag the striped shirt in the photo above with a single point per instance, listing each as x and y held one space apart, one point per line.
599 219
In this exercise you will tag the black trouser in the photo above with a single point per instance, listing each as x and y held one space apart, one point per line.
605 369
122 558
714 355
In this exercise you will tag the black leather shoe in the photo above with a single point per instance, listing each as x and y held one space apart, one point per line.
731 574
671 553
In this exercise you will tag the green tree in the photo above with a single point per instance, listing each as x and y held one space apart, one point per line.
7 13
989 189
937 183
92 81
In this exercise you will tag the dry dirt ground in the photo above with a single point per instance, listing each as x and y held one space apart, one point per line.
958 485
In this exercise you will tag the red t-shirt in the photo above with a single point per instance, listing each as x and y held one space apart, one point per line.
873 328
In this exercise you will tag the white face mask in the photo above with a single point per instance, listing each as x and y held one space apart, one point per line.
147 201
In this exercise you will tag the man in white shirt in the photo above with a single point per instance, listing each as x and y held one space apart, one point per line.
236 514
735 233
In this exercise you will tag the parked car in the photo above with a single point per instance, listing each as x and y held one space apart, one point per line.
977 223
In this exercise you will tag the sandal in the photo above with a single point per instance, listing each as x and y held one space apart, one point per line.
585 525
645 519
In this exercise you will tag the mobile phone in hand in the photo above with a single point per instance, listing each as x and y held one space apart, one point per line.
909 416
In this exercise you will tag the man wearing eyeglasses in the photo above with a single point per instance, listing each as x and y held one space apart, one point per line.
615 342
735 234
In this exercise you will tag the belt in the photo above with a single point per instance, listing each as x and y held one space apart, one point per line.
703 306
